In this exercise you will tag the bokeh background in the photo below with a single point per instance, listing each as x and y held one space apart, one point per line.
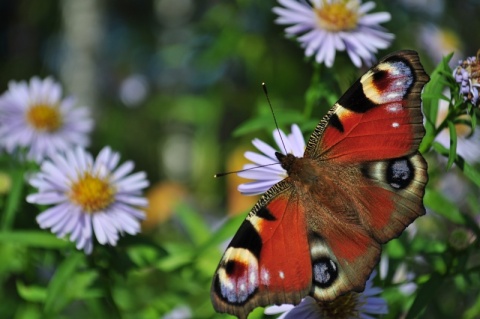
169 83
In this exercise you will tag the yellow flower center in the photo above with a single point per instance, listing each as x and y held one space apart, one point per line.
93 194
340 15
44 117
344 307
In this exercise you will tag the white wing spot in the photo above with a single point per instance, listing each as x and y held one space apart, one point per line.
265 276
253 278
394 108
281 274
395 124
392 96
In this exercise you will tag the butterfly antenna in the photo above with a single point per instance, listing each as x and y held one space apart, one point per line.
264 86
243 170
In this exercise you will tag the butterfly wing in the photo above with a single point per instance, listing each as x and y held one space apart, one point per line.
378 118
360 183
371 175
377 126
268 260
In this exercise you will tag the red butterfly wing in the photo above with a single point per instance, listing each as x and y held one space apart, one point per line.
378 118
377 127
268 260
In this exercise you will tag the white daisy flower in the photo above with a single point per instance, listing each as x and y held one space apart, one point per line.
349 306
89 197
326 26
267 176
34 116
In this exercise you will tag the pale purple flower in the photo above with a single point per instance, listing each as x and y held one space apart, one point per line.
364 306
467 75
267 176
35 117
89 197
325 26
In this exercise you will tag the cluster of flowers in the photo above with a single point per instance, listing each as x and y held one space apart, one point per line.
88 197
467 75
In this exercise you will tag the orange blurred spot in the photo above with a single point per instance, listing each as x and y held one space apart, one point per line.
163 197
236 202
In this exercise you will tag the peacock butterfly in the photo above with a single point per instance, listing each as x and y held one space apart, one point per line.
359 184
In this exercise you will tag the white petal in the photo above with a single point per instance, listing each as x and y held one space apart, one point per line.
259 159
262 173
132 200
98 229
47 198
265 148
375 18
367 6
297 141
123 170
296 6
51 216
256 188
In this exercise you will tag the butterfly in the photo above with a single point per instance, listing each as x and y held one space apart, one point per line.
359 184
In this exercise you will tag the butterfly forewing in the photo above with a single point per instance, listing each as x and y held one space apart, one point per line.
360 183
379 117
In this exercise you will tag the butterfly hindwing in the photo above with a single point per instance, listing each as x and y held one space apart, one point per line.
268 259
342 253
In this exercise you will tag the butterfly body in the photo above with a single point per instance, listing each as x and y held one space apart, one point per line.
359 184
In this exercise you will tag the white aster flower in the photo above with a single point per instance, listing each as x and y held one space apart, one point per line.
89 197
34 116
349 306
325 26
267 176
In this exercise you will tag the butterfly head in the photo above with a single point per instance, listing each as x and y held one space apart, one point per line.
286 161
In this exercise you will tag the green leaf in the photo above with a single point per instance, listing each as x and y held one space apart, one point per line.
79 286
441 205
29 311
31 293
470 171
225 232
56 296
193 223
452 154
14 198
395 249
180 255
38 239
432 93
473 311
425 294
